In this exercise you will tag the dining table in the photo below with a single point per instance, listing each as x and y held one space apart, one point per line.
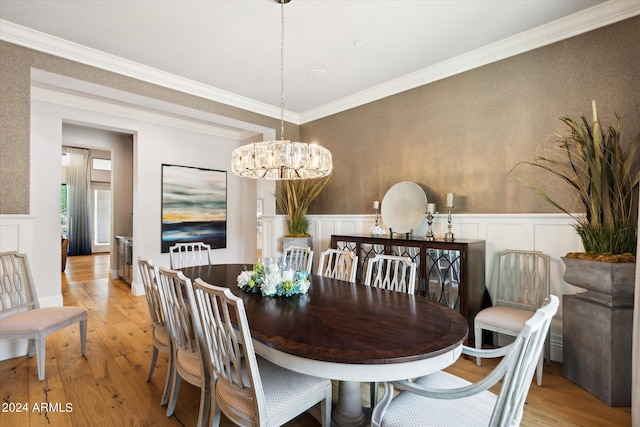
347 332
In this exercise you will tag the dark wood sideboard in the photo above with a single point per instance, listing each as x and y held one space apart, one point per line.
451 273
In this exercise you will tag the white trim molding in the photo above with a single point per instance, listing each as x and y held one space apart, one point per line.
590 19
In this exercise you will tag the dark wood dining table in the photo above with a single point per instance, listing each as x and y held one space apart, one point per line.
347 332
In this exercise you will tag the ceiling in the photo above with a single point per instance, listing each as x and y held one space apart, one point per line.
338 54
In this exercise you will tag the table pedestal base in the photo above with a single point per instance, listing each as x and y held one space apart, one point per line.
348 411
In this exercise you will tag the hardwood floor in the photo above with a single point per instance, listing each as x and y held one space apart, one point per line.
108 387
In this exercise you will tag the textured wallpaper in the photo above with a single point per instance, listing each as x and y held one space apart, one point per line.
462 134
465 133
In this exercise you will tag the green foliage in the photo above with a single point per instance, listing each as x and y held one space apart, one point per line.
605 174
294 197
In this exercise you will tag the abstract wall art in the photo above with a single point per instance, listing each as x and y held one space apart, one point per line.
194 206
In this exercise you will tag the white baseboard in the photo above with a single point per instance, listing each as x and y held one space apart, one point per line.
137 289
10 348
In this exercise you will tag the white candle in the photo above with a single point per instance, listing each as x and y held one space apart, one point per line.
451 200
376 205
431 208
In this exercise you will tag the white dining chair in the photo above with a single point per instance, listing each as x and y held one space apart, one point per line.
298 258
442 399
160 339
188 357
521 285
249 390
393 273
21 316
338 264
191 254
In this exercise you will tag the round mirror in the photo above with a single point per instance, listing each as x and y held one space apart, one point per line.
403 207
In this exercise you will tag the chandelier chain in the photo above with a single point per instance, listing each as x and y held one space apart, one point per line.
282 70
280 159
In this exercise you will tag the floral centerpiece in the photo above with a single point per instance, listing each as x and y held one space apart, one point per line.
271 280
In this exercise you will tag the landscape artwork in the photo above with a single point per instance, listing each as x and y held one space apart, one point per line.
194 206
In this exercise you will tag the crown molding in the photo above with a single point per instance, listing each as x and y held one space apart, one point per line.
581 22
590 19
46 43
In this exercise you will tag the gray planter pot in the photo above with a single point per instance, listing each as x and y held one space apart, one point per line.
297 241
606 283
596 328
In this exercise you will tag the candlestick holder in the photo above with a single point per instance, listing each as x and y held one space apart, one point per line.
448 237
429 236
376 230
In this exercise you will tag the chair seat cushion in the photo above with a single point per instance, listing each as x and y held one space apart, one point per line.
161 335
503 318
38 320
284 390
191 363
410 410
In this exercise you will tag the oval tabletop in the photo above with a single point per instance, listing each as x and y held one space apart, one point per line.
343 322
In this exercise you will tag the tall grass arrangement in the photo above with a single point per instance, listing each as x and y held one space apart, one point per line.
293 197
605 174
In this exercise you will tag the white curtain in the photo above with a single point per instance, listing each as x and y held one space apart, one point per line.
79 201
635 358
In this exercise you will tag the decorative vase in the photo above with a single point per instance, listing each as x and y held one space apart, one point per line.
597 328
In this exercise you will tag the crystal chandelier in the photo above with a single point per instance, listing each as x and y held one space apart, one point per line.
281 159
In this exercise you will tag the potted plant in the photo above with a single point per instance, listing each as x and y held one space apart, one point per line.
604 172
293 197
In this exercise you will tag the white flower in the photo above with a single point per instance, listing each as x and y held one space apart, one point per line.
244 277
270 283
304 285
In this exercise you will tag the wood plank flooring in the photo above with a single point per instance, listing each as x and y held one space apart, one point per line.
108 387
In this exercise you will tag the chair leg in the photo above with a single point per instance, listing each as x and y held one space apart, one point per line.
83 336
175 389
325 411
152 365
205 403
215 413
373 394
168 381
539 368
31 347
41 348
478 338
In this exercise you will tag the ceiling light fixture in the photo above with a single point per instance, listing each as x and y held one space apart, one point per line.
281 159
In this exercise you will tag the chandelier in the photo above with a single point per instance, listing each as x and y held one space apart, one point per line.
281 159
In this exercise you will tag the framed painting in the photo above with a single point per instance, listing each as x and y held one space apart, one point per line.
194 206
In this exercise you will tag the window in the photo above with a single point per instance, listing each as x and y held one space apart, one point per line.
101 164
64 221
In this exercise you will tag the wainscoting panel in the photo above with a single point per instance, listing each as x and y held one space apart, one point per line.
16 234
552 234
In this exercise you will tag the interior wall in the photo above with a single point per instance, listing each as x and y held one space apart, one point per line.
15 87
465 133
154 144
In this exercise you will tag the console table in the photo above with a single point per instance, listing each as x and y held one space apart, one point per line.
451 273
